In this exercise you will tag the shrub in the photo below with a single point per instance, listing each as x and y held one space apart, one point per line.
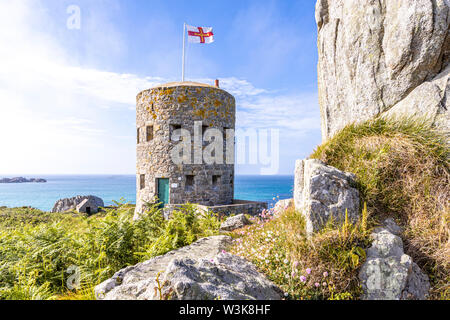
321 267
403 172
35 257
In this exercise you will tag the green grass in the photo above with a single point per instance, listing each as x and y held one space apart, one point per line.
37 249
402 167
403 172
324 267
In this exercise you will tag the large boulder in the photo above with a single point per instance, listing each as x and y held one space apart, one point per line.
282 206
200 271
235 222
70 204
322 192
379 56
428 101
226 277
388 273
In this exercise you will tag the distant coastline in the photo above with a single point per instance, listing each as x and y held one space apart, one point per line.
123 188
22 180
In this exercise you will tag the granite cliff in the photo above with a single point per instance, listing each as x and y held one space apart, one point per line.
382 57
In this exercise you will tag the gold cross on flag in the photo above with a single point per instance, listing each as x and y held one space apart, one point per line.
200 34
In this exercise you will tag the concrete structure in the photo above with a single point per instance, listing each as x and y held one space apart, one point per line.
252 208
70 204
88 206
164 110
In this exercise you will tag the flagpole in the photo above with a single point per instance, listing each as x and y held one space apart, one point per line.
184 49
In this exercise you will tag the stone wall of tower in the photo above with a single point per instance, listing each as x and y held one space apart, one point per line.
160 111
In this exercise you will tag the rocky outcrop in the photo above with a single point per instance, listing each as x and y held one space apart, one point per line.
226 277
282 205
69 204
236 222
382 56
429 101
322 192
201 271
22 180
388 273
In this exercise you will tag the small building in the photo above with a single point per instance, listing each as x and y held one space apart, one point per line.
194 108
87 206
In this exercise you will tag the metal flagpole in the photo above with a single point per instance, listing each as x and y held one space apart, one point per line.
184 49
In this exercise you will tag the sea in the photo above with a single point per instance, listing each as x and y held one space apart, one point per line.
122 188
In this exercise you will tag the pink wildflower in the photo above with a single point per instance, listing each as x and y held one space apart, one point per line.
308 271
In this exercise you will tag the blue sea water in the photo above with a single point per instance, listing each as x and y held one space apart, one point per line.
116 187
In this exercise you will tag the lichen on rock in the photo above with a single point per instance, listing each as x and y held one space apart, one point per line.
322 193
376 56
388 273
201 271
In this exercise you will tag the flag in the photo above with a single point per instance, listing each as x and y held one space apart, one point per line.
200 34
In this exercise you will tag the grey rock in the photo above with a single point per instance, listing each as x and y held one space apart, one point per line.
417 286
226 277
429 101
382 56
235 222
69 204
385 244
392 227
388 273
200 271
322 192
282 205
128 283
299 183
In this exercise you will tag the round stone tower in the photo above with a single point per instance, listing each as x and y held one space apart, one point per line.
194 108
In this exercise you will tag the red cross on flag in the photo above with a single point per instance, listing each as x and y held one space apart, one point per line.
200 34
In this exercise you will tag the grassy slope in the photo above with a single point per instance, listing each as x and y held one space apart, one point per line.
403 172
323 267
37 248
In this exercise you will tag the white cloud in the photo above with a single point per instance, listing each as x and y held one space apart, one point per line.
57 116
292 112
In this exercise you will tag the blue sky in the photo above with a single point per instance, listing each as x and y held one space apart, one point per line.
67 97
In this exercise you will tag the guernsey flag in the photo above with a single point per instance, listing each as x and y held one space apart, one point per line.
200 34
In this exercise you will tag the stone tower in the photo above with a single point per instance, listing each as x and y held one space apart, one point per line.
162 110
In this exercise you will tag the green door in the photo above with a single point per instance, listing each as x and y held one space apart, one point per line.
163 191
